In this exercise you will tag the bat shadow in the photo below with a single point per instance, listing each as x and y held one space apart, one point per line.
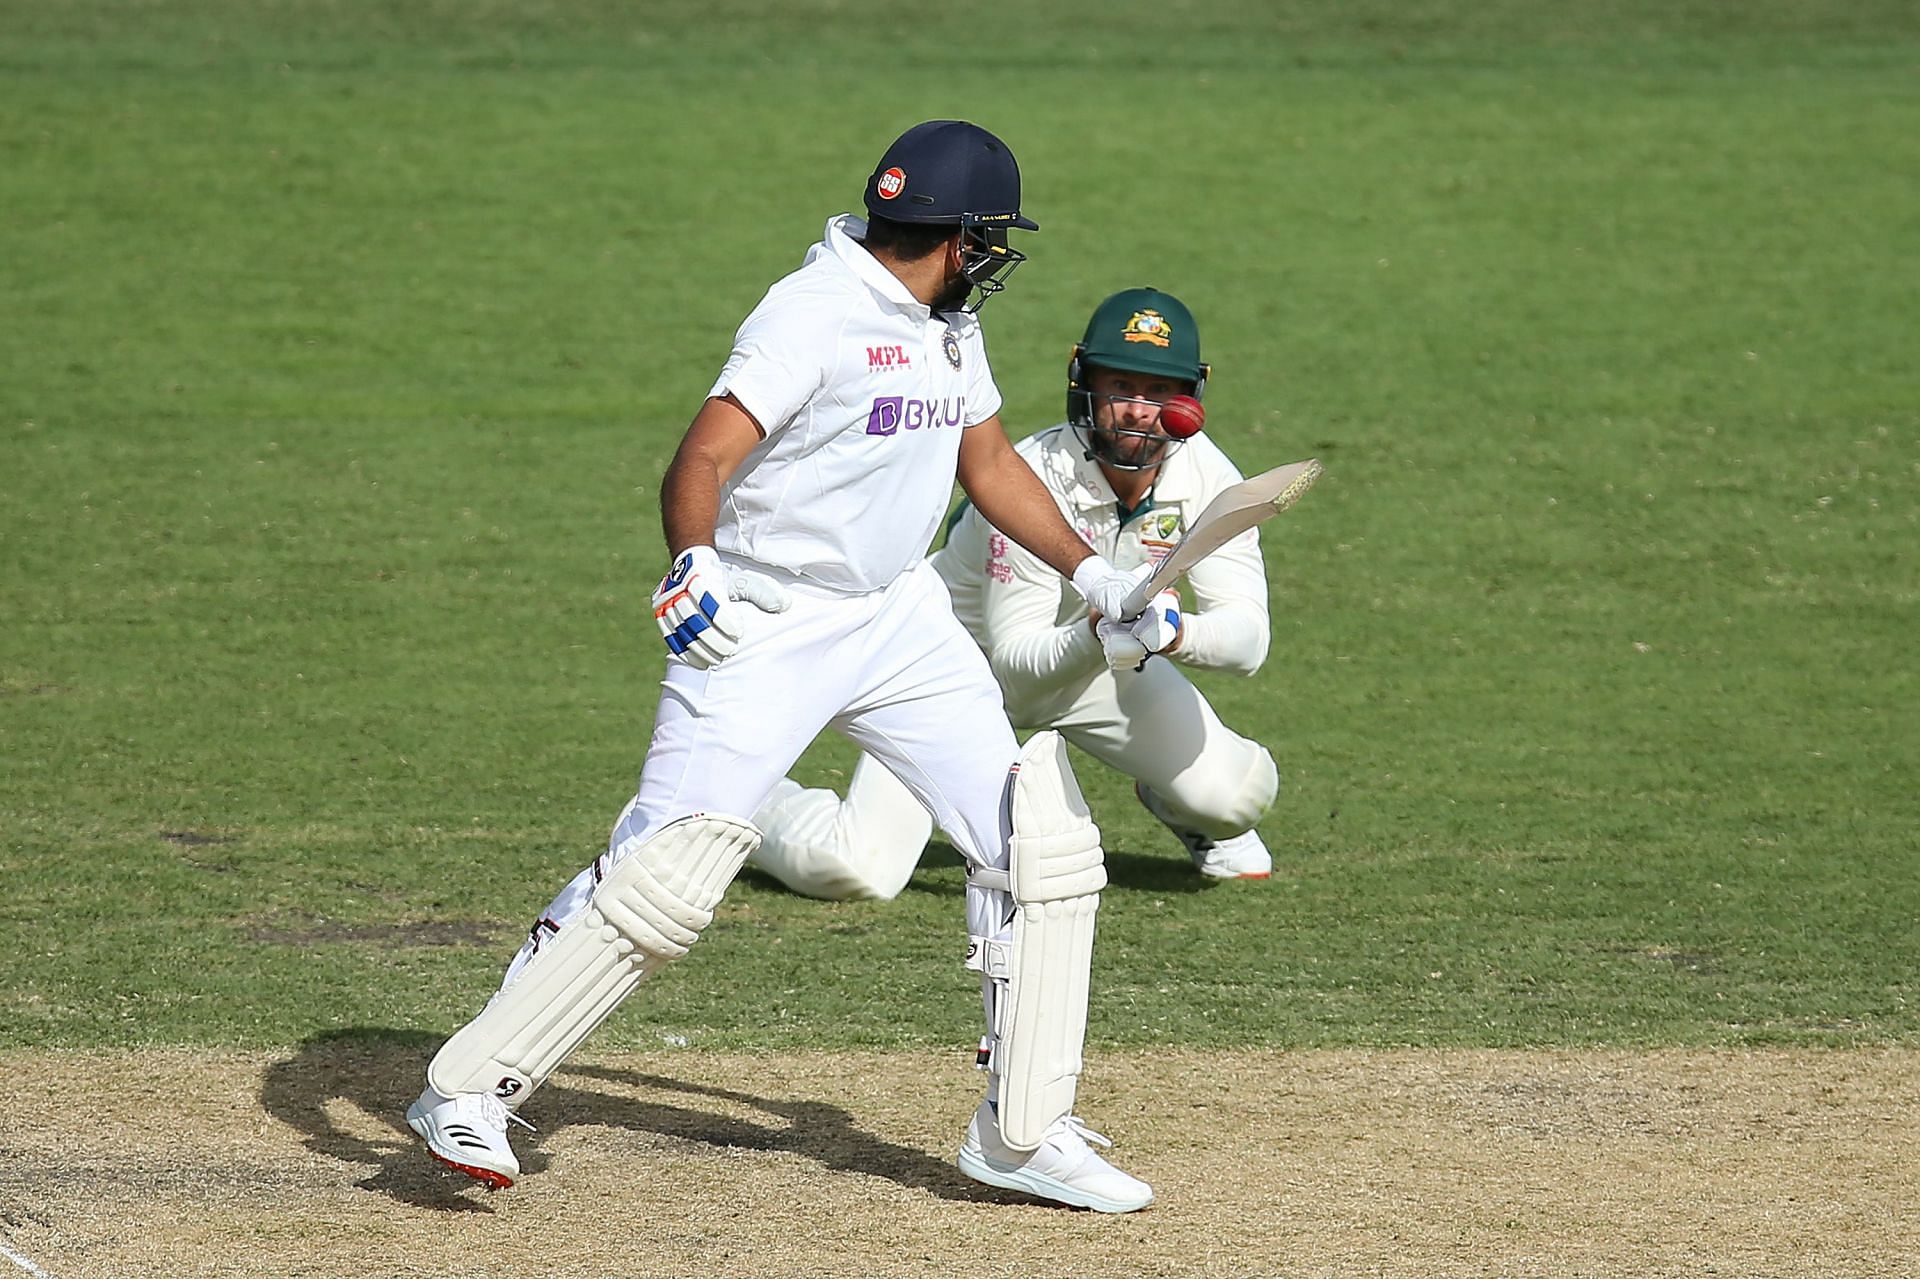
379 1070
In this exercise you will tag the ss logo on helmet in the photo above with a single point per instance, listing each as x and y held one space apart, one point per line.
891 183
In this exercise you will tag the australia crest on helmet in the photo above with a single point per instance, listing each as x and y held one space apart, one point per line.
1148 326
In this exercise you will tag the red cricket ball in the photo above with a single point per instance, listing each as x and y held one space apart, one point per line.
1182 416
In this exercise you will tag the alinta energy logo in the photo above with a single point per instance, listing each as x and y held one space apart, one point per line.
891 414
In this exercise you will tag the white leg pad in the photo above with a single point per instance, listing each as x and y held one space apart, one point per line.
1055 872
650 908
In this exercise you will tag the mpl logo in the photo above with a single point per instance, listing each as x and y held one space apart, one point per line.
887 357
893 413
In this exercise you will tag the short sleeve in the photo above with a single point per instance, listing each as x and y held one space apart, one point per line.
778 363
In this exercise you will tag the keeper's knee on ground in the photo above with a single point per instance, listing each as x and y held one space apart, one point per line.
818 846
1222 799
828 868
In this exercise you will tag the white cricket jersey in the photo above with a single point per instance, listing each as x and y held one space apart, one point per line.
1032 623
863 393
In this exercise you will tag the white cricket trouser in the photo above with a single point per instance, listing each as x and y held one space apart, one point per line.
893 670
1156 727
1152 725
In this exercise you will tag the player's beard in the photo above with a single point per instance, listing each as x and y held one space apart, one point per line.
1129 449
953 295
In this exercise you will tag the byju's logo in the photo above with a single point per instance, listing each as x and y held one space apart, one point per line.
891 413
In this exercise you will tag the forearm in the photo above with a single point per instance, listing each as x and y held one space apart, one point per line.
689 500
1013 500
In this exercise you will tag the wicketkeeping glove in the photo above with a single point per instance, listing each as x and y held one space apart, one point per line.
698 606
1129 644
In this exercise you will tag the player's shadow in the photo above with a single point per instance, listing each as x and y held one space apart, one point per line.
380 1072
921 884
1154 873
1132 872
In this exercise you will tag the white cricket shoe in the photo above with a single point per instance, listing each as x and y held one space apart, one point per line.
1241 856
468 1133
1063 1168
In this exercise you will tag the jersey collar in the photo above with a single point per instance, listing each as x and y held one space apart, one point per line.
1174 483
842 241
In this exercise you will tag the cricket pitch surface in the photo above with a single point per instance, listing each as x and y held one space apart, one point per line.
1410 1163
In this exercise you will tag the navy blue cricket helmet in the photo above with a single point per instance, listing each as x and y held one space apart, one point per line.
953 173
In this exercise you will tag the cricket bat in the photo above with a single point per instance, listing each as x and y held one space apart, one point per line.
1231 513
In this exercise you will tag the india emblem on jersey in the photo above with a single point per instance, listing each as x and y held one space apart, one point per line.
1148 326
951 345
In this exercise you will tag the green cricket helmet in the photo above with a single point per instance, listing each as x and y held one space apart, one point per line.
1142 331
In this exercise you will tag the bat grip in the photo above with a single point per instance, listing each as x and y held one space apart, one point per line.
1137 601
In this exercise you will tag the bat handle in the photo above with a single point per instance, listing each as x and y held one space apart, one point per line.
1137 602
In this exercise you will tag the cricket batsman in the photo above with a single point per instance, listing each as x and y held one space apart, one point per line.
798 509
1128 481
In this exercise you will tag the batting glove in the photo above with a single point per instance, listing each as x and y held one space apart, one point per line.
692 606
1128 645
1104 587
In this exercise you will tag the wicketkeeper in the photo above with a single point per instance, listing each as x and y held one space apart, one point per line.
1131 489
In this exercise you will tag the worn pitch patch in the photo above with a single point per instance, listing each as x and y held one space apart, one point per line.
1776 1163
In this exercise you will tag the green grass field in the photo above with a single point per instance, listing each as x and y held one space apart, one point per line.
343 346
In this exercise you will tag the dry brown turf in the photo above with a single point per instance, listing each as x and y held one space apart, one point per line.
679 1163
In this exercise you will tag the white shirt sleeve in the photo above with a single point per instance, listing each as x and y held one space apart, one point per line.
777 365
1227 628
1030 653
